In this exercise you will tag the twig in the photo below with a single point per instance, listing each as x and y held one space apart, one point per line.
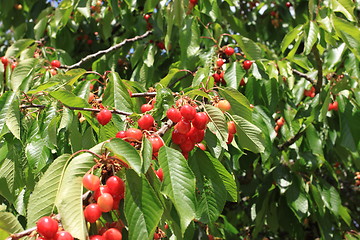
32 106
110 49
319 64
313 81
164 128
292 140
145 94
181 78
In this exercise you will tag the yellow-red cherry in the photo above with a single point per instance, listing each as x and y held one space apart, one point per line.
224 105
102 189
231 127
133 133
91 182
112 234
105 202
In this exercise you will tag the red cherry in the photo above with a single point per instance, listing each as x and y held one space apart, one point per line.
91 182
178 137
105 202
104 116
115 185
63 235
247 64
147 17
201 146
41 238
229 51
146 107
97 237
160 174
230 138
277 128
231 127
224 105
242 82
47 227
112 234
55 63
156 143
116 202
210 237
4 61
280 122
200 120
288 4
183 126
121 134
188 112
103 189
53 72
92 212
335 106
146 122
222 75
13 65
160 45
216 77
219 62
193 2
89 41
134 133
187 146
174 115
186 155
196 135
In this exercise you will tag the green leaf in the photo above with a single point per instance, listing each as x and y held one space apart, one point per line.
240 105
126 152
290 37
69 99
142 209
6 103
234 74
250 136
346 7
21 77
19 46
178 184
69 200
297 200
149 55
42 199
249 47
40 27
218 120
311 38
146 154
13 118
73 75
167 79
9 223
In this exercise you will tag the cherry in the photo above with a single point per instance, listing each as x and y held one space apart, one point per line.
288 4
230 138
116 186
103 189
242 82
193 2
156 143
178 137
63 235
112 234
121 134
4 61
160 45
216 77
277 128
200 120
92 212
187 146
280 122
310 93
231 127
105 202
134 133
210 237
97 237
196 135
219 62
91 182
157 235
147 17
116 202
89 42
201 146
224 105
55 63
333 106
13 65
146 122
174 115
247 64
183 126
188 112
53 72
47 227
160 174
222 75
41 238
104 116
146 107
229 51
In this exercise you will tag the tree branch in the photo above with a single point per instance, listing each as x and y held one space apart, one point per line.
319 64
313 81
181 78
110 49
145 94
291 141
164 128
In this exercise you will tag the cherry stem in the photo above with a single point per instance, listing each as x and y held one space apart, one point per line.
165 127
311 80
85 150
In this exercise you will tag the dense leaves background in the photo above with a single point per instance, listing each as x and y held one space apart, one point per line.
297 183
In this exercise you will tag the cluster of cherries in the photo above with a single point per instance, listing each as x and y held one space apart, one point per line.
5 61
310 93
48 228
357 178
279 123
333 106
105 198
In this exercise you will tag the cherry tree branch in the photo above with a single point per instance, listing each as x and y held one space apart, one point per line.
164 128
291 141
311 80
144 94
110 49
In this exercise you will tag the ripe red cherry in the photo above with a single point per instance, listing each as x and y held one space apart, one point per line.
47 227
230 138
92 212
333 106
13 65
219 62
160 174
53 72
116 185
147 17
229 51
55 63
112 234
91 182
121 134
188 112
247 64
4 61
156 143
178 137
160 45
63 235
134 133
183 126
196 135
231 127
97 237
210 237
116 202
193 2
100 191
200 120
146 122
222 75
146 107
288 4
187 146
280 122
216 77
104 116
174 115
105 202
224 105
201 146
242 82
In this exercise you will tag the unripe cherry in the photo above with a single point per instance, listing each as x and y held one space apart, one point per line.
47 227
55 63
146 122
231 127
112 234
146 107
91 182
183 126
188 112
229 51
174 115
92 212
105 202
63 235
115 185
104 116
134 133
200 120
224 105
178 137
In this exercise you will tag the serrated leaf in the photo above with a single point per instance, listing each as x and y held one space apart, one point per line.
346 7
240 105
178 184
290 37
311 38
143 209
74 74
149 55
234 74
42 199
217 117
9 223
22 74
126 152
250 136
19 46
13 118
167 79
297 200
69 99
249 47
6 103
146 154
